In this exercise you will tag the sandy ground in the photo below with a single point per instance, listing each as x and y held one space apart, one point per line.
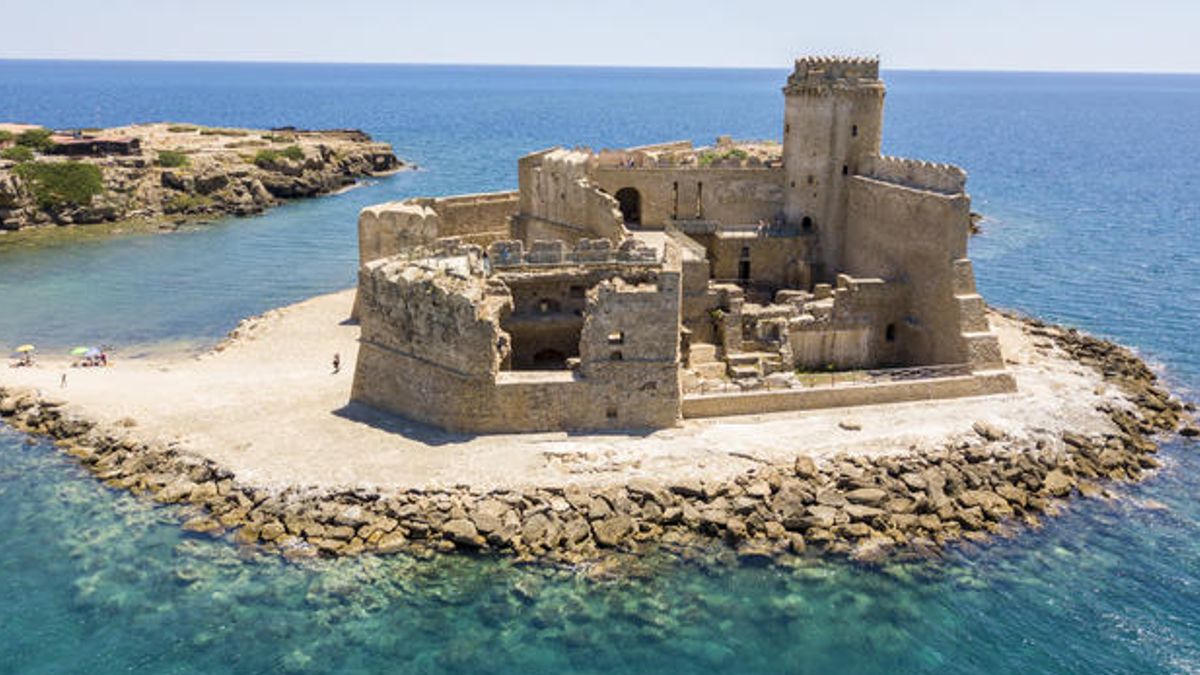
268 407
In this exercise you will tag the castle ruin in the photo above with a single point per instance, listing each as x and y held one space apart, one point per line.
633 288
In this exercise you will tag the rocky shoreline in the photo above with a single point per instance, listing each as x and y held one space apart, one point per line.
869 508
174 173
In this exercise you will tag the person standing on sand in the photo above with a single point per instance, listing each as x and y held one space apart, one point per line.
62 381
337 363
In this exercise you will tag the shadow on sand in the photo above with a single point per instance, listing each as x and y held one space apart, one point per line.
431 435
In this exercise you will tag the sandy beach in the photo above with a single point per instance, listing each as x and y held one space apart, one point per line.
266 405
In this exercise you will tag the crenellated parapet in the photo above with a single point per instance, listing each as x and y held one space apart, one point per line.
825 74
916 173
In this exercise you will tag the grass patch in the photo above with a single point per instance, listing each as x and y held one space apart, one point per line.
17 153
709 157
172 159
59 184
5 136
35 139
265 158
224 132
181 129
183 203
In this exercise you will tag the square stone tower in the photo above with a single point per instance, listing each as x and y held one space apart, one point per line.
833 120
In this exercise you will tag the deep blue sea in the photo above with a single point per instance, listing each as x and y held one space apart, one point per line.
1091 188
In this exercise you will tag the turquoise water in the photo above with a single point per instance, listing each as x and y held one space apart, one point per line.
1089 185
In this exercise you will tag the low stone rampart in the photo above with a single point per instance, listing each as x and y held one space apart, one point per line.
748 403
915 173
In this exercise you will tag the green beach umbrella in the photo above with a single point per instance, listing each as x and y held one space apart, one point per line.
79 351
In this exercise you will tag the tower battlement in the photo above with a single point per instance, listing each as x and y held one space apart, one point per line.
821 72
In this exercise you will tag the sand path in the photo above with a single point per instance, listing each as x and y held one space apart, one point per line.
268 407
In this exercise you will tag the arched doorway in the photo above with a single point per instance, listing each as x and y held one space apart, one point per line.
631 205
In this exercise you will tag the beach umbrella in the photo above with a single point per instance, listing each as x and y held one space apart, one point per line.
79 351
23 349
92 353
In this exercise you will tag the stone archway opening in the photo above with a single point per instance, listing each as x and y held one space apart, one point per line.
630 201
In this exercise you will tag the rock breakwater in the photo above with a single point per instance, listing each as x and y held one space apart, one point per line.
910 502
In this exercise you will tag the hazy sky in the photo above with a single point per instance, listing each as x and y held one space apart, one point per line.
1145 35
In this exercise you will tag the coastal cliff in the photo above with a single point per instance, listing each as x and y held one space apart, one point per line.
175 171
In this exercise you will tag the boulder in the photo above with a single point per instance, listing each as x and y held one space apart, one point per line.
611 532
988 431
1058 484
867 496
805 467
463 533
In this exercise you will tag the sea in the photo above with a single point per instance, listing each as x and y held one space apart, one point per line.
1090 188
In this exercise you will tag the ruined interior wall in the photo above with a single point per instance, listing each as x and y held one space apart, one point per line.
629 352
557 201
726 195
778 262
912 237
854 331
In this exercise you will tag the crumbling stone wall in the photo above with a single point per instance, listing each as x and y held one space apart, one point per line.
558 201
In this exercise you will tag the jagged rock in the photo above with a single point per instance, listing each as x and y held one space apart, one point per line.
755 552
611 532
805 467
988 431
463 533
1058 484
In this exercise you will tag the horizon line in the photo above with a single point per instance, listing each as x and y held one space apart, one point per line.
598 66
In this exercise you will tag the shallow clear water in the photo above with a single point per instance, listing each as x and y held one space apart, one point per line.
1089 183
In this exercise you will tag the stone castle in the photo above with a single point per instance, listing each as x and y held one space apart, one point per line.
633 288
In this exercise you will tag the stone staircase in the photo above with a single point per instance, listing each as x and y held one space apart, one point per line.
752 365
702 359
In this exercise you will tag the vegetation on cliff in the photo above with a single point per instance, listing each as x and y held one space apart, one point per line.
147 172
55 185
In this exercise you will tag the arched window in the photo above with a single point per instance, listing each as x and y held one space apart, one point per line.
806 224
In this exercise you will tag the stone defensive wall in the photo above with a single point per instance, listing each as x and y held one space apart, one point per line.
911 237
393 227
848 395
434 344
916 174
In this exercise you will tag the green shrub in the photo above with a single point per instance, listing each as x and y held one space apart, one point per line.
185 203
37 139
5 136
223 132
181 129
265 158
172 159
17 153
58 184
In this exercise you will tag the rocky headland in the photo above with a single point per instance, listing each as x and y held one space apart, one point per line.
173 172
869 502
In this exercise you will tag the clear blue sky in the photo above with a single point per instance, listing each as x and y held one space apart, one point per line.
1126 35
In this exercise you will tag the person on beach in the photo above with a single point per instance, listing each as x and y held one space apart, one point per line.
62 381
337 363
